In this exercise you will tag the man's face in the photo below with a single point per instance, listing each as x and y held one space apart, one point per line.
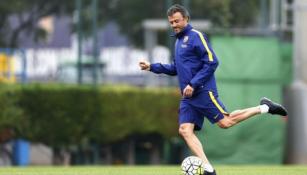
177 22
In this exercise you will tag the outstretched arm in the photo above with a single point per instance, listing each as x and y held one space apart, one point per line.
158 68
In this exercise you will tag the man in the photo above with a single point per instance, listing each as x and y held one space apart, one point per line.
195 64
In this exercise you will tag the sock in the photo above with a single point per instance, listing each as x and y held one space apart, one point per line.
264 108
208 167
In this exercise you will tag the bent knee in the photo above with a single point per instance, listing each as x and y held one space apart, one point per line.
226 123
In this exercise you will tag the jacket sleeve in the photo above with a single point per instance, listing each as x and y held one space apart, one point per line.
208 59
169 69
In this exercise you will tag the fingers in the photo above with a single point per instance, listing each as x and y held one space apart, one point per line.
188 91
144 65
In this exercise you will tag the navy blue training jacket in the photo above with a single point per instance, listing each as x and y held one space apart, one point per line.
194 62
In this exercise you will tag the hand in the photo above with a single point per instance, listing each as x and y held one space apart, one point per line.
144 65
188 91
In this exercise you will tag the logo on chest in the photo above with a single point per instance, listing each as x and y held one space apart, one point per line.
185 40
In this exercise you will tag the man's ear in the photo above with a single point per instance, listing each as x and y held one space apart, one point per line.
187 18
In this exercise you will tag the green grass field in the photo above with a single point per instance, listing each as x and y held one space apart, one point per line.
151 170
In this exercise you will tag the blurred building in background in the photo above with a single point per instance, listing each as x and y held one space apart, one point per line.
55 60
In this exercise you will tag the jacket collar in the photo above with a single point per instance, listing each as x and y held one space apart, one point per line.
187 28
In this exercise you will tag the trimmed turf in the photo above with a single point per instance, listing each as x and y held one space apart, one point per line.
151 170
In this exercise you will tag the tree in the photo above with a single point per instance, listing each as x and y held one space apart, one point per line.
18 16
221 13
128 14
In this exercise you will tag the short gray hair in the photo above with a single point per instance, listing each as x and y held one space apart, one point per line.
178 8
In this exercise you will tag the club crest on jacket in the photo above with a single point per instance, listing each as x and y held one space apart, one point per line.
185 39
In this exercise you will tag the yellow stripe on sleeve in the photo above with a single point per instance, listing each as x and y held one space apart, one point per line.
205 44
216 103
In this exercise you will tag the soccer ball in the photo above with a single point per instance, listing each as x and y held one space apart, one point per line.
192 165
